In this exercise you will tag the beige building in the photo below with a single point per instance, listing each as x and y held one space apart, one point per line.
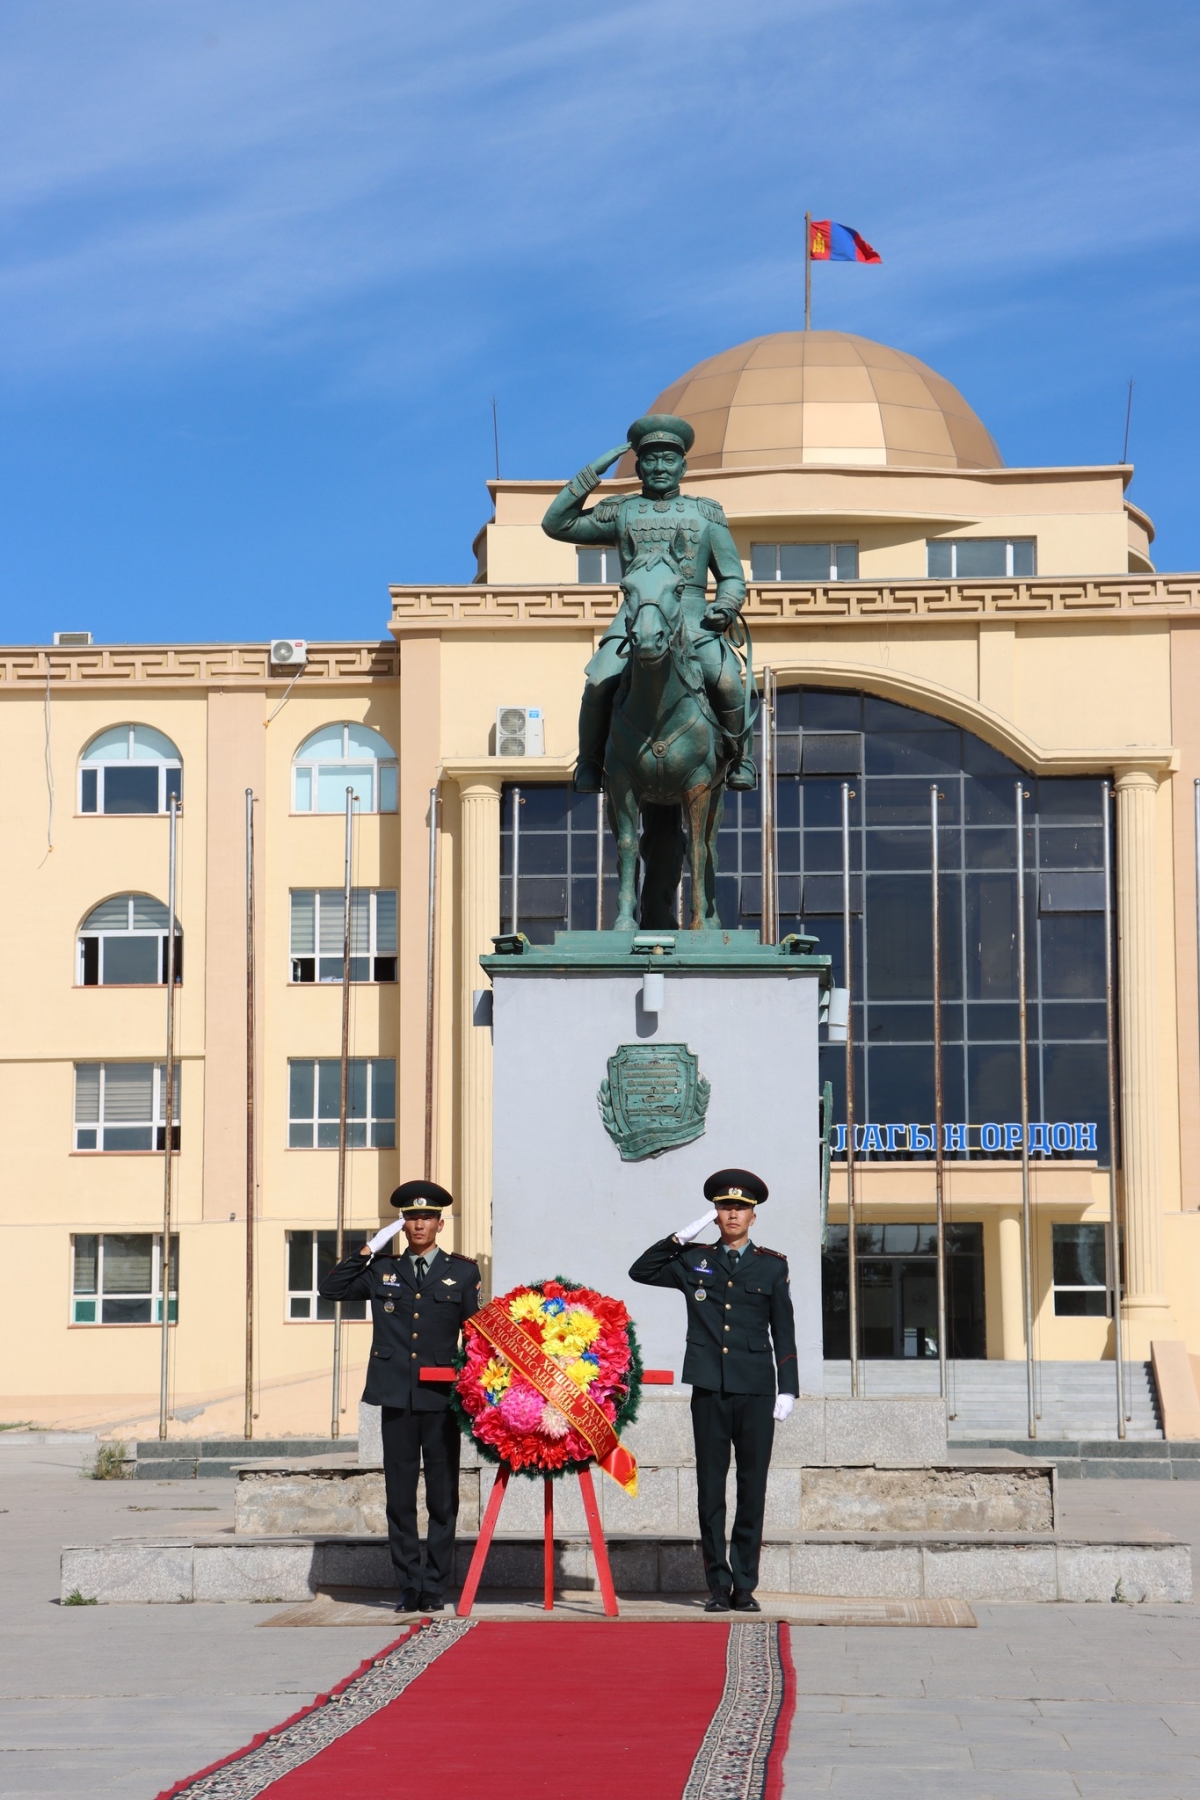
930 617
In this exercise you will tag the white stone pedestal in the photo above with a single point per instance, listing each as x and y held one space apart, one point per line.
564 1202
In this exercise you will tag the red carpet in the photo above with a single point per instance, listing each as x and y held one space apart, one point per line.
535 1712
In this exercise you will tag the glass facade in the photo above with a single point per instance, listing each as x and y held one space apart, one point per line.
891 755
897 1297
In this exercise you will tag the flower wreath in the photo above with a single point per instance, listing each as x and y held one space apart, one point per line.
588 1337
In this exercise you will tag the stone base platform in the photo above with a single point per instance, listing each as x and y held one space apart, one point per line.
1017 1567
1004 1494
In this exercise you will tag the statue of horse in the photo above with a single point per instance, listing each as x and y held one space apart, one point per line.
665 758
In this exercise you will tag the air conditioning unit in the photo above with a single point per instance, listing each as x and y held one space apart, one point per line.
72 640
520 731
289 653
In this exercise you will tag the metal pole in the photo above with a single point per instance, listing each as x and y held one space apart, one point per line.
1114 1232
516 859
808 271
248 1425
851 1221
939 1146
770 919
343 1100
430 978
1026 1212
168 1129
600 862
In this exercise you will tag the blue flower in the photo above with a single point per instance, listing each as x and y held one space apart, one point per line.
588 1357
555 1306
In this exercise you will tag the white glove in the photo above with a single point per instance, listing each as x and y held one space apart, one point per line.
783 1406
693 1230
376 1244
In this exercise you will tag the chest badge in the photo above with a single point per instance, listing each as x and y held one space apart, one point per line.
389 1280
389 1306
449 1281
701 1294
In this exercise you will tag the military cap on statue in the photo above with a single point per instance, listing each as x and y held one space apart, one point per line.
421 1196
660 428
735 1184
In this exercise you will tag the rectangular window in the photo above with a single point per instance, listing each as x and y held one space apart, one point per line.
804 562
1078 891
598 565
961 559
314 1100
122 1106
117 1279
1080 1278
311 1255
318 934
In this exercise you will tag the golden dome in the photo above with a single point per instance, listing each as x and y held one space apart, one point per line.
824 397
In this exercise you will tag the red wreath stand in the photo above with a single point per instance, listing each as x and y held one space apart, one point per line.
483 1543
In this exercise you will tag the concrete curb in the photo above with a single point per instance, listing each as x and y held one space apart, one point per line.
165 1571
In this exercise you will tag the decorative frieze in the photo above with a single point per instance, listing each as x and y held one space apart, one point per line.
838 602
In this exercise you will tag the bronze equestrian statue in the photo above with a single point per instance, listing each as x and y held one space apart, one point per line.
664 726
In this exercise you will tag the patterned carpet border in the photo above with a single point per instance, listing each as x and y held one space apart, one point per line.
741 1757
374 1684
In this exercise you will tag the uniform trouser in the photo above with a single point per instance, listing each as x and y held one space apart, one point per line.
411 1439
744 1423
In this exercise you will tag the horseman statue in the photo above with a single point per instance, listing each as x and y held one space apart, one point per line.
665 722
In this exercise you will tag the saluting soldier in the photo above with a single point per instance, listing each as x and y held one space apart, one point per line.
741 1341
420 1298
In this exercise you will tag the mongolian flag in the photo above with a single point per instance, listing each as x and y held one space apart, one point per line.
829 242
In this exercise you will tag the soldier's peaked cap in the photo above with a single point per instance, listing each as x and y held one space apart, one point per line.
736 1184
661 428
421 1196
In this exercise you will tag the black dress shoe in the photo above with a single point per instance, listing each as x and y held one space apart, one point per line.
408 1600
431 1603
717 1603
744 1601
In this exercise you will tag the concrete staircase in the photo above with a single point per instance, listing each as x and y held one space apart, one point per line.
1077 1400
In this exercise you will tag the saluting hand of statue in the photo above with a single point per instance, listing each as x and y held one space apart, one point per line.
607 460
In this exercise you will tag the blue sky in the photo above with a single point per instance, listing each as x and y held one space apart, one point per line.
263 266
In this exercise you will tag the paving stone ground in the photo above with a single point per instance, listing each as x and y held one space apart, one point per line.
116 1701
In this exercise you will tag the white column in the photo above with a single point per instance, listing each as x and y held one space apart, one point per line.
1145 1311
480 866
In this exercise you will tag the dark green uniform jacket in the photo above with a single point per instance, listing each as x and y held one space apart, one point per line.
413 1331
736 1311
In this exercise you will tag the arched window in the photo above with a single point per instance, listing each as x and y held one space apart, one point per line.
130 769
123 943
342 756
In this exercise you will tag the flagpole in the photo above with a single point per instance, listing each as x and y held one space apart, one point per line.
808 271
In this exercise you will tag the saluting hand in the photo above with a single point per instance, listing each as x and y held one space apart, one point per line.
374 1245
608 459
689 1232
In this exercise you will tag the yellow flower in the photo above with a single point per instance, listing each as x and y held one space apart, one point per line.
526 1306
584 1325
496 1376
582 1373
